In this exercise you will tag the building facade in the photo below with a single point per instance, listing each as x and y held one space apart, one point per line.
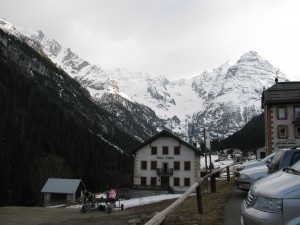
281 104
165 161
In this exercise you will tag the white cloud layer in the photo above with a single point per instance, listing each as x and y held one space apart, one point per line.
170 37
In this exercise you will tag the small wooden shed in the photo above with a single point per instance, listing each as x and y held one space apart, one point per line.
61 191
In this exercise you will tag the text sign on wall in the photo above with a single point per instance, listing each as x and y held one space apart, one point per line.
286 142
165 157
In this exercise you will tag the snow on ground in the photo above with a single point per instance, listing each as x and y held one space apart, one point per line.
148 200
216 163
140 201
158 198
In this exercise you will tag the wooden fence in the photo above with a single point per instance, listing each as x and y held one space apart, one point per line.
160 217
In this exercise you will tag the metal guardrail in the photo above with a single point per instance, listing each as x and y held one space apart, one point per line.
160 217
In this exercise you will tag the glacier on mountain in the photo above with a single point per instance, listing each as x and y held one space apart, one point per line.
222 100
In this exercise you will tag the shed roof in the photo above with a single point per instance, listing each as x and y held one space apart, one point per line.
282 93
63 186
165 133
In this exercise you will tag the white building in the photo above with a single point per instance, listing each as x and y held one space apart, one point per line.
165 161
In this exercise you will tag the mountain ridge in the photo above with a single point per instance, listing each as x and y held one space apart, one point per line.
222 100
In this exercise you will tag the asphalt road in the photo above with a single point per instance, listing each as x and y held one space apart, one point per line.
233 211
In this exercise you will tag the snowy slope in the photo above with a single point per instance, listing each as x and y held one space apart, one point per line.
222 100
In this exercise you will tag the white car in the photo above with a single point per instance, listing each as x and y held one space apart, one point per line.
248 176
253 163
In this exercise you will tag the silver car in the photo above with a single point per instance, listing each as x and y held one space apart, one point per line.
249 176
253 163
274 199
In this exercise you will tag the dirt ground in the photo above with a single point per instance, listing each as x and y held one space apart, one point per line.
68 216
214 205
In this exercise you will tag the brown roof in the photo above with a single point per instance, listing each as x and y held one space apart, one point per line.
165 133
282 93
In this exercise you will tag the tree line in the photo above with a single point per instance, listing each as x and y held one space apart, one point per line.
40 138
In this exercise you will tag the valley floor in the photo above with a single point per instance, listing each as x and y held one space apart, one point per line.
216 212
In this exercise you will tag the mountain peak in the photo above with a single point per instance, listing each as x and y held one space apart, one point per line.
223 99
251 56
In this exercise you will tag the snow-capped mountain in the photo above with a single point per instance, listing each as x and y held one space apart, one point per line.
222 100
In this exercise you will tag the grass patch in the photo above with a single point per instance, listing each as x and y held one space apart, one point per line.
213 207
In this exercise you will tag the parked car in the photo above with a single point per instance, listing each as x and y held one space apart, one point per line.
248 176
253 163
274 199
284 158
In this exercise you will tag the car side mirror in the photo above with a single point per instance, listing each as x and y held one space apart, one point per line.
268 162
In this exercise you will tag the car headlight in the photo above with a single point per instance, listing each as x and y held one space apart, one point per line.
243 177
272 205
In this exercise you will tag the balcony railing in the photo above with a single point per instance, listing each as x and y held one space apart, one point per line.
164 172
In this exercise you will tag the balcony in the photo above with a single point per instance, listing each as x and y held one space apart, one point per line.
164 172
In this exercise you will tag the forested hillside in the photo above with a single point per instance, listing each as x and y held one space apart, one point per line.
49 127
249 138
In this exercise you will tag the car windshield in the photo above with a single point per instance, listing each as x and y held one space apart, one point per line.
296 167
268 157
275 161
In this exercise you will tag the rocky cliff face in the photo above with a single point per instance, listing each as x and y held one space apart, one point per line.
222 100
28 58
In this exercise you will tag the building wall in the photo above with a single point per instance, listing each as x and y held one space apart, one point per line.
55 198
70 198
269 130
186 154
47 199
273 141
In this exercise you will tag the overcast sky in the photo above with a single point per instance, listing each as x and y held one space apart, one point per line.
176 38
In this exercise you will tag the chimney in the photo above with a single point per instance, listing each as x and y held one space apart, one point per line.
195 144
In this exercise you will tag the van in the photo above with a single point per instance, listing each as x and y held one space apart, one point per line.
274 199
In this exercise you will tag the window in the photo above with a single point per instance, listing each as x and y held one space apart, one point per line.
176 165
282 131
186 182
276 160
153 150
297 113
281 113
295 158
165 166
165 150
297 131
153 165
144 181
176 181
153 181
143 165
176 150
187 165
